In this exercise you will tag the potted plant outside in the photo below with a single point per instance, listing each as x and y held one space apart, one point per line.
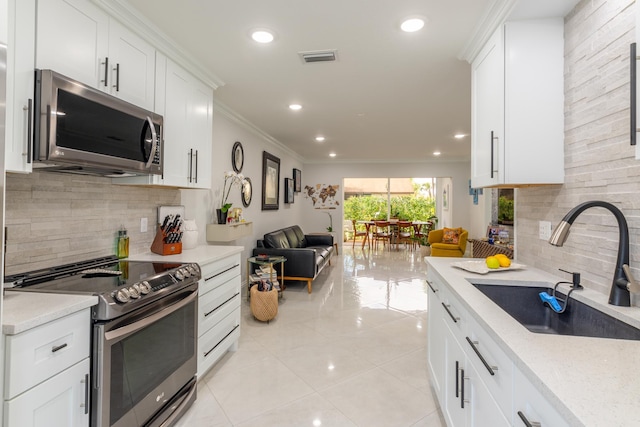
425 246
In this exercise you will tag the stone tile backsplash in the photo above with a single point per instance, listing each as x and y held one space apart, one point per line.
53 218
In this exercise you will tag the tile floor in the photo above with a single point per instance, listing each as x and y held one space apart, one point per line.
352 353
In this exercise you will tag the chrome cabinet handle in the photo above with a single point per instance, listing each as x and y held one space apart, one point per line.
446 307
490 368
29 109
85 405
527 422
633 59
493 138
117 70
434 290
58 347
196 179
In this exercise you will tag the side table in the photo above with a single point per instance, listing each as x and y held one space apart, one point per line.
273 274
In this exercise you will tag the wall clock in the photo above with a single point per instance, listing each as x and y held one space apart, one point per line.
247 192
237 157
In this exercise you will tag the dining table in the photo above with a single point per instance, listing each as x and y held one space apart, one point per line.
417 228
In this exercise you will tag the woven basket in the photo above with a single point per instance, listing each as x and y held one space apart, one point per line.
264 305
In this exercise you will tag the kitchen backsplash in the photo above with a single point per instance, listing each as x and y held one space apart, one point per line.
599 162
54 218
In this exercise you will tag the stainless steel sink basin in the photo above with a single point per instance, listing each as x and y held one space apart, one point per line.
524 305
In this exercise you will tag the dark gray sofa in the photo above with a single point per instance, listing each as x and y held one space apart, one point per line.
306 254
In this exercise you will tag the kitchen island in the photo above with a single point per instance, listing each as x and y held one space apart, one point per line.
584 381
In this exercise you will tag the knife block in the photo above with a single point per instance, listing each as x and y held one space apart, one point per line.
161 248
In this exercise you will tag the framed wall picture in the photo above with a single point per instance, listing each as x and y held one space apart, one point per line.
297 180
288 190
270 182
247 192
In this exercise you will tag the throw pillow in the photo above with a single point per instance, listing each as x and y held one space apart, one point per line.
451 235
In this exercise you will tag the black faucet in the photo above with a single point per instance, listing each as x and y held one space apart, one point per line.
622 280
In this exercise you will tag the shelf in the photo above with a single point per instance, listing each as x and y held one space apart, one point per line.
228 232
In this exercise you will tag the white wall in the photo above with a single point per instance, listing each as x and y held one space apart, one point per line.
462 209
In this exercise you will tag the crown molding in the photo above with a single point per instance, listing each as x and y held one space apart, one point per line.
494 16
226 111
122 11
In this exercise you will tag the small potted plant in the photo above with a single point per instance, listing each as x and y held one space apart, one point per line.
425 246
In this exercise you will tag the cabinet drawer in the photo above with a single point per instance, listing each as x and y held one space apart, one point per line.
41 352
530 404
215 342
481 349
454 313
217 304
216 273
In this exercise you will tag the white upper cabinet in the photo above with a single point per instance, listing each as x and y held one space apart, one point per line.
518 106
79 40
20 83
3 21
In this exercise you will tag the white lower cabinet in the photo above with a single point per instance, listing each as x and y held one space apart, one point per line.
475 382
47 372
218 311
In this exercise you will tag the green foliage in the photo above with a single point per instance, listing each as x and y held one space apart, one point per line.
505 209
364 208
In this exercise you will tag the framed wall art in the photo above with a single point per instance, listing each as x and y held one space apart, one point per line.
288 190
247 192
237 157
297 180
270 182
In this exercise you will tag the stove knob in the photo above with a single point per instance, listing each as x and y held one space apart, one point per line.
121 295
179 275
133 292
186 272
145 287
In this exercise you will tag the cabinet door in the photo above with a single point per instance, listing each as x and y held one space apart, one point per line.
530 405
435 338
132 66
61 401
487 112
455 361
177 143
482 410
200 126
72 39
20 84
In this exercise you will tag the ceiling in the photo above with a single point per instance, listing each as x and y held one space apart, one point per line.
390 96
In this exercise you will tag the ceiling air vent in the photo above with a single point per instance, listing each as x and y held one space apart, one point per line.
318 56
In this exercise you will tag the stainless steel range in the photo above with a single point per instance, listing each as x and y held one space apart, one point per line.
144 335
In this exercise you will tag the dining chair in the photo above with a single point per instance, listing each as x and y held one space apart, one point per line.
381 232
357 232
405 234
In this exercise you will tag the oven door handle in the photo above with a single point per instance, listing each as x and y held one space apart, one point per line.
124 331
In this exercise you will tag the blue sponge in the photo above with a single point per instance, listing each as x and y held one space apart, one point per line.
551 300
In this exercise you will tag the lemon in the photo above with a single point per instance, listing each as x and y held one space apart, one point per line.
503 259
492 262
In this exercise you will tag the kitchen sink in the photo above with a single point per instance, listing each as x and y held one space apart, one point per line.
524 305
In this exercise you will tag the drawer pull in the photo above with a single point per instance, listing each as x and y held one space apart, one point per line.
490 368
206 353
234 295
434 290
457 383
527 422
221 272
85 405
58 347
446 307
462 378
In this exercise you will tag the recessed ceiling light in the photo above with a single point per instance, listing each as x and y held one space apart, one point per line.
411 25
459 135
262 36
295 107
332 154
319 138
436 153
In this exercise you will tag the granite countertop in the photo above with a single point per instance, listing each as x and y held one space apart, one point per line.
202 254
590 381
26 310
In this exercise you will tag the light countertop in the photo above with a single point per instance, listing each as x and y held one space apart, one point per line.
590 381
25 310
202 254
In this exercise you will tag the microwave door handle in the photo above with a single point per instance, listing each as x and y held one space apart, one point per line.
154 142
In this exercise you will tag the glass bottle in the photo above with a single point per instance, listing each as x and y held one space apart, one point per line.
123 243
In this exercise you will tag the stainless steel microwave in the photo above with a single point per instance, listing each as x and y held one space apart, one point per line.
79 129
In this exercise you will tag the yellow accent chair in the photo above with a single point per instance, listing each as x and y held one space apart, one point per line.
448 242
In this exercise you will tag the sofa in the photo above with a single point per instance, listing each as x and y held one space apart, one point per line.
306 254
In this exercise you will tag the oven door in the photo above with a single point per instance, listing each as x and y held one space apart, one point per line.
141 361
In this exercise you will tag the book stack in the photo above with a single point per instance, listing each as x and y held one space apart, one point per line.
266 276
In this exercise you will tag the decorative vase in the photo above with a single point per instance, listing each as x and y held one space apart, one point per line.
425 251
222 216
